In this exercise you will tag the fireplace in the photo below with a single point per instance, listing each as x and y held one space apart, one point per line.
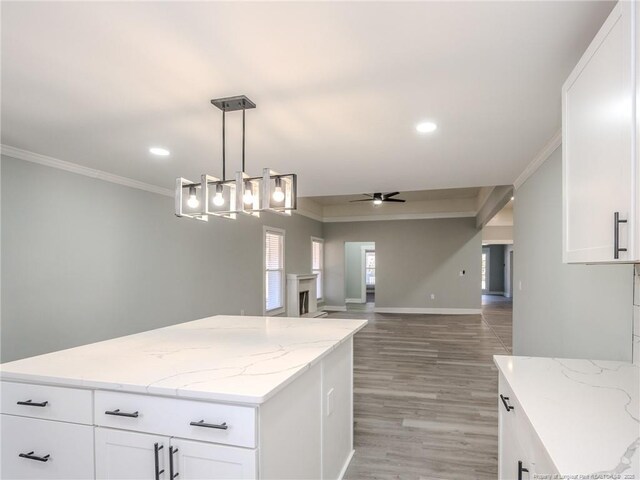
304 302
302 295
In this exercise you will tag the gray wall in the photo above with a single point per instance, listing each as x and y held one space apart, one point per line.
85 260
575 311
496 268
353 268
414 258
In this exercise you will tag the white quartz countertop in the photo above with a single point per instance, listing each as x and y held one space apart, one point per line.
221 358
585 412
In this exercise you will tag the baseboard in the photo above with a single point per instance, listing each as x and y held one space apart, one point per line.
354 300
346 465
494 293
334 308
429 311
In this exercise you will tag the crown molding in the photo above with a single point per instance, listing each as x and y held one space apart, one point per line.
399 216
539 159
45 160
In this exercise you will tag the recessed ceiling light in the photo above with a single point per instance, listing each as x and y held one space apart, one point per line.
512 198
161 152
426 127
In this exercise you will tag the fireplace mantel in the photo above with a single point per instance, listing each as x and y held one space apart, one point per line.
297 283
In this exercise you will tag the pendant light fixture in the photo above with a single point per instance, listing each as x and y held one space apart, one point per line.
272 191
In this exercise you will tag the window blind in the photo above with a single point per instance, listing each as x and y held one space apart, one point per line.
274 270
317 264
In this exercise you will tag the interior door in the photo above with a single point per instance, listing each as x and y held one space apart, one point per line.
598 144
126 455
198 460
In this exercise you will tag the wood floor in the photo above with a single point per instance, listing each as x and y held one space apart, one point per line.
425 395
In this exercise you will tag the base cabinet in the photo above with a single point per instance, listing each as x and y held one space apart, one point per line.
521 455
43 449
124 455
197 460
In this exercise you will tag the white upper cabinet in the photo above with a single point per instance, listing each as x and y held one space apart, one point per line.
600 181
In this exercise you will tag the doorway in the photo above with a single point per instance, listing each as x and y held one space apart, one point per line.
360 275
484 270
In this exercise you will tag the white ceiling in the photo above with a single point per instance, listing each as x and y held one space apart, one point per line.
421 195
339 87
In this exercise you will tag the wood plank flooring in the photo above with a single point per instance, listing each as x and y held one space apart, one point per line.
425 395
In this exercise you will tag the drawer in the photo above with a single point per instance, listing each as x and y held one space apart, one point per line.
210 422
65 450
51 403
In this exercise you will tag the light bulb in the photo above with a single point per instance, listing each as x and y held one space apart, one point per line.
278 194
193 199
248 194
218 199
377 201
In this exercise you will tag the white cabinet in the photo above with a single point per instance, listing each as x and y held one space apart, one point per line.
521 455
43 449
198 460
124 455
600 164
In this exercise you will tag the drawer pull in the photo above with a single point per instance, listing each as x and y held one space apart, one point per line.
521 469
222 426
156 451
31 456
30 403
172 475
118 413
505 402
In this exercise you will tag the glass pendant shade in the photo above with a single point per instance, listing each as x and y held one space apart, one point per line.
279 192
248 194
221 197
190 200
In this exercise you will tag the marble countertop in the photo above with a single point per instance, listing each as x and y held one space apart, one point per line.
586 412
221 358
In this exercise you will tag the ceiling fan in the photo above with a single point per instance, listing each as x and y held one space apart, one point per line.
380 198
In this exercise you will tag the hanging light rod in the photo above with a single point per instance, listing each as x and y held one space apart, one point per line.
247 194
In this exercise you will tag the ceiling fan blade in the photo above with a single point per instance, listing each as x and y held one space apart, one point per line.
389 195
394 200
363 200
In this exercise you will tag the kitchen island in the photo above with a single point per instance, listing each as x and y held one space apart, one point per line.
221 397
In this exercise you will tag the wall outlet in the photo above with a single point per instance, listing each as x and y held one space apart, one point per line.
329 402
519 284
433 296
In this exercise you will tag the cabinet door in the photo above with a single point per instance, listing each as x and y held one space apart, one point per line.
129 455
43 449
510 450
598 145
199 460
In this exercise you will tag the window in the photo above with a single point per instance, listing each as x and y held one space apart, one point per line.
274 271
317 263
370 267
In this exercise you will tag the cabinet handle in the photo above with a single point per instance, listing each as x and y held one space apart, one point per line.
156 455
222 426
521 469
616 235
31 456
172 450
118 413
30 403
506 403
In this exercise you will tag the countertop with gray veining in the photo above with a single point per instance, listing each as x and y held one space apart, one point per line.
585 412
221 358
